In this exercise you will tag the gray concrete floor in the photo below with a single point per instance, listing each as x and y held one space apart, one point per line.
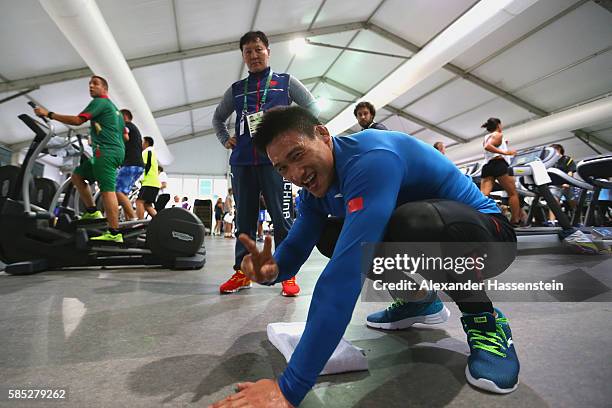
154 337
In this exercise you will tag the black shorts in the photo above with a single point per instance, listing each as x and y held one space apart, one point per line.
495 168
445 221
148 194
431 221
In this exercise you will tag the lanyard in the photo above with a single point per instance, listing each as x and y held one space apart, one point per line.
265 94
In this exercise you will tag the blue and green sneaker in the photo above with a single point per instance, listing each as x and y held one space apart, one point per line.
402 314
493 364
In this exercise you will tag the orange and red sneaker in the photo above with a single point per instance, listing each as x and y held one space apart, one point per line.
237 282
290 288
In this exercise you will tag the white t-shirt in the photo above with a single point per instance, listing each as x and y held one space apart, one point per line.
502 146
228 205
163 178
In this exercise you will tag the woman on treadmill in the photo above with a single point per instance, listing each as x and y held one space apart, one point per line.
497 160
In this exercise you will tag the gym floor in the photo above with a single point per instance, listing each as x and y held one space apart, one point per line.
141 338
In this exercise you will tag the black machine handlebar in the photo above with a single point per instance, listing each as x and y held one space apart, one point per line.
34 126
34 106
23 179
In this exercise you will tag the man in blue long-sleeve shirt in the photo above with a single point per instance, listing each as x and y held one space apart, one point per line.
381 184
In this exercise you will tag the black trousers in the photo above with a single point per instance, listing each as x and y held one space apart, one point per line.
249 182
445 221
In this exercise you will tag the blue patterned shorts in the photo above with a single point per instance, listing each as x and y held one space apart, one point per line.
127 177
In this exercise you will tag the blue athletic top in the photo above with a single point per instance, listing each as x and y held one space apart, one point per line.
376 171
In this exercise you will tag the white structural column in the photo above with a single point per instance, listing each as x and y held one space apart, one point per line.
481 20
84 27
581 116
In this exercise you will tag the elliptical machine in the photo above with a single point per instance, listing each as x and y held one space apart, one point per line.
33 239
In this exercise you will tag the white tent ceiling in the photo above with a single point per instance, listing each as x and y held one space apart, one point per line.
184 54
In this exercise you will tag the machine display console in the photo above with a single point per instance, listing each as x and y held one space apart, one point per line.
529 156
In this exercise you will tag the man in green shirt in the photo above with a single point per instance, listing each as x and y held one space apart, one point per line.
107 128
150 181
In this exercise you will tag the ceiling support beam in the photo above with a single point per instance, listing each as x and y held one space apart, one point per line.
361 50
187 107
465 74
606 4
17 95
46 79
190 136
162 58
497 91
425 124
590 139
366 24
476 23
396 111
309 81
462 73
341 86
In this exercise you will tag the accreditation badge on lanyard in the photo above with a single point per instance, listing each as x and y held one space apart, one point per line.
254 119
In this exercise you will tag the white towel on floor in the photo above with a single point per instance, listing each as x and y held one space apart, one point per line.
346 357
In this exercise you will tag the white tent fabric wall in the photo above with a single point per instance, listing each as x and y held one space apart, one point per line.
184 55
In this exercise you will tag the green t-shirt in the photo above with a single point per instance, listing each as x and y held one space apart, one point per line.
151 177
107 126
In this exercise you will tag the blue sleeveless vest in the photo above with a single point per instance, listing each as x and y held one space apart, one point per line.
245 154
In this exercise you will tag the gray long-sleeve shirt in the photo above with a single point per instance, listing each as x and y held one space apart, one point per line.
297 93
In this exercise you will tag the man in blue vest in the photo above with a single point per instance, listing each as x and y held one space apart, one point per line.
252 172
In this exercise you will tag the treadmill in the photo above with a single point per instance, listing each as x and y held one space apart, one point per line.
594 176
470 169
596 171
560 178
532 166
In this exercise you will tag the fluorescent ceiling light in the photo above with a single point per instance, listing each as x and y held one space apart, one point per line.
298 46
323 103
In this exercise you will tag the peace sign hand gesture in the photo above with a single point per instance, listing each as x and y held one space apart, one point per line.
258 266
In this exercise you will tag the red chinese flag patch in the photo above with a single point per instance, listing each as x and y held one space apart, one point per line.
273 83
355 204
